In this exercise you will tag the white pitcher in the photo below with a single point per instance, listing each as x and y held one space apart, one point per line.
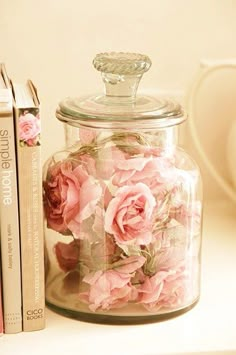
208 69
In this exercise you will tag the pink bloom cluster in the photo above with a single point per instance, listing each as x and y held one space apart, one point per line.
124 233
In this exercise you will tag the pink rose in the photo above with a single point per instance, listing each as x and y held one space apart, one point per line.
129 215
107 160
166 289
129 265
154 151
112 288
108 289
104 166
157 173
147 151
88 163
67 255
189 215
29 127
166 252
87 135
70 196
169 251
32 142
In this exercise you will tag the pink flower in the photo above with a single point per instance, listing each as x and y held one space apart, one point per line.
87 135
111 289
157 173
70 196
88 163
104 165
170 252
33 142
147 151
166 252
166 289
29 127
129 215
67 255
189 215
129 265
107 160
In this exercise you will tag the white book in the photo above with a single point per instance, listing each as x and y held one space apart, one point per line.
9 220
28 130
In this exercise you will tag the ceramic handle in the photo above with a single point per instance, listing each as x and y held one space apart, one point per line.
208 68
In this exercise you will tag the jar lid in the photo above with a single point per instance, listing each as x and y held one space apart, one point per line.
121 74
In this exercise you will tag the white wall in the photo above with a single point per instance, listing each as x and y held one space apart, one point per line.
54 41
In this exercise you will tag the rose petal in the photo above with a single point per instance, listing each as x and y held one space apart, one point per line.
130 264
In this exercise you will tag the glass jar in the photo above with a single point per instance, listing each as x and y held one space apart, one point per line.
122 205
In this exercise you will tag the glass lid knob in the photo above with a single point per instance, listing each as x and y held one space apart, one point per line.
122 63
121 72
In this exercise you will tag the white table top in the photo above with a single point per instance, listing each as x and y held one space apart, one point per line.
209 327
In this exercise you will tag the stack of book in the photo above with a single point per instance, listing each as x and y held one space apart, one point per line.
22 304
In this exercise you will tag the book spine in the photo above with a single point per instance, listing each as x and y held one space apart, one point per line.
31 220
1 309
10 246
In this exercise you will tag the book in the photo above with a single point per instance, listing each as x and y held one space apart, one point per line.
1 309
9 219
27 123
